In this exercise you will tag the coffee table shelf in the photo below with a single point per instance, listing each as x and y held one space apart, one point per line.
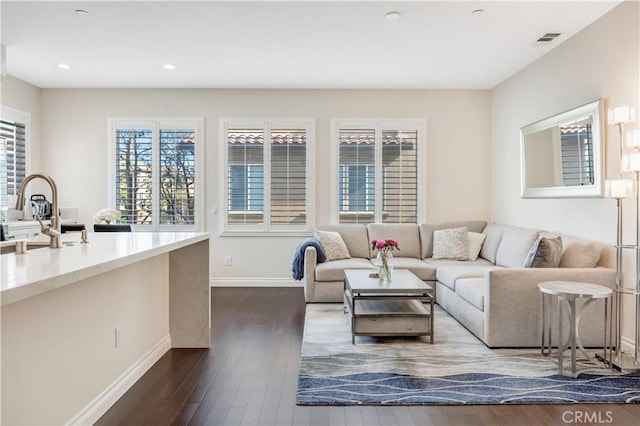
388 309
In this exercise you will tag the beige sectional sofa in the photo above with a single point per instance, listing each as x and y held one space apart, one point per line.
494 296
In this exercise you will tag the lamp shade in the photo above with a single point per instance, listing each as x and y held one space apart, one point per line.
621 114
618 188
633 139
631 162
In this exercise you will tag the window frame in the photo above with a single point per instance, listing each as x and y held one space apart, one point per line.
379 125
267 228
16 115
156 124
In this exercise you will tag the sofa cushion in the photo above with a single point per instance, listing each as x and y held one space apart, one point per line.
437 263
451 244
426 232
544 253
354 236
471 290
492 240
449 275
406 234
333 245
420 269
334 271
514 246
581 255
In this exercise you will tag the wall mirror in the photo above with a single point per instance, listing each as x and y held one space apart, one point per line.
562 156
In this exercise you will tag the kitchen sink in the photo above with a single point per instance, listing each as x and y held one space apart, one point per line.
10 247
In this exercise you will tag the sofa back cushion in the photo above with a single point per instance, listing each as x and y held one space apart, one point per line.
406 234
514 246
426 233
354 236
493 233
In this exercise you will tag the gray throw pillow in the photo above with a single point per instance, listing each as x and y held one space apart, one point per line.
545 253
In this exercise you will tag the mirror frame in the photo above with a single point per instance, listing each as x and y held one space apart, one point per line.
595 110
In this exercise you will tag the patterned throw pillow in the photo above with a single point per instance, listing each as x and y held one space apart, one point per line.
545 253
451 244
333 245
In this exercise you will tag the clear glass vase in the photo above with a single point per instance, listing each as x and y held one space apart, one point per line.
384 263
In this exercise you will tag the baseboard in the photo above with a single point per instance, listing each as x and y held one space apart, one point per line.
254 282
96 408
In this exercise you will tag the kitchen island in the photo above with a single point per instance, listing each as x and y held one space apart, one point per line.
82 323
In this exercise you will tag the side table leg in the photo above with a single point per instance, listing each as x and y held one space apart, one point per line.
545 347
572 332
561 347
431 320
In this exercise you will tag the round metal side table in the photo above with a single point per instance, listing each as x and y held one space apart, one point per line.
567 292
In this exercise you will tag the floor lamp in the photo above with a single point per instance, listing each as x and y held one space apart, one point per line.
620 189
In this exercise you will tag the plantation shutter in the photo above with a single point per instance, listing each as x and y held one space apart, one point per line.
356 181
378 172
177 176
400 176
134 182
245 176
15 155
288 176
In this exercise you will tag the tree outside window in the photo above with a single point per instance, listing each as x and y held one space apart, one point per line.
156 174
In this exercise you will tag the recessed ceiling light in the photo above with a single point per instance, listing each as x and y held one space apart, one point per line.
81 12
392 16
63 66
478 12
169 67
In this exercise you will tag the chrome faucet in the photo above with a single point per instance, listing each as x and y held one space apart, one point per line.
53 230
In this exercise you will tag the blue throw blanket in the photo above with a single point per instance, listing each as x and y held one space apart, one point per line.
297 268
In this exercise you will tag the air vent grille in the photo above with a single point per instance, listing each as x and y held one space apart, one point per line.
548 37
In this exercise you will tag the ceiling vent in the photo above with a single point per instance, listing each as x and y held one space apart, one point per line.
548 37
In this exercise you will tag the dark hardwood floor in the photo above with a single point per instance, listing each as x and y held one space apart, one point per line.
249 377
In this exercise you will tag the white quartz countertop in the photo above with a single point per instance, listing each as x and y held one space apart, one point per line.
43 269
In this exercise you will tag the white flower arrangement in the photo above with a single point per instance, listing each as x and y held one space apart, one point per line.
107 216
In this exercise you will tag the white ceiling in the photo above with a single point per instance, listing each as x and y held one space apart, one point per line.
290 44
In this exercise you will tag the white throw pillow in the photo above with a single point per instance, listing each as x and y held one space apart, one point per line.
333 245
475 244
451 244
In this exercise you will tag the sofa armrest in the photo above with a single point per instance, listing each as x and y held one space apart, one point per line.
513 302
310 262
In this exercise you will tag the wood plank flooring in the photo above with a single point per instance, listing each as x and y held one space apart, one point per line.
249 377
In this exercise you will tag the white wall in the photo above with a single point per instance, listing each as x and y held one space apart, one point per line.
599 62
74 146
25 97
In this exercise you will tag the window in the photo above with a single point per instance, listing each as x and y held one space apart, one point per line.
14 126
246 188
377 170
156 172
266 183
357 188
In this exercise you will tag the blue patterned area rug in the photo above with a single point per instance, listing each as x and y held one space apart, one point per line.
457 369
